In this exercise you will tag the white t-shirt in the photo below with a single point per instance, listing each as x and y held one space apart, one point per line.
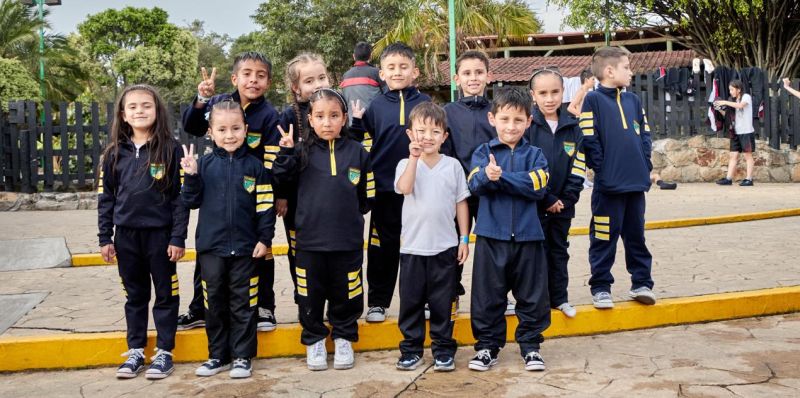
553 125
429 212
744 116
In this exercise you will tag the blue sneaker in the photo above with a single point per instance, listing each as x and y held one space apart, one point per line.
211 367
161 366
133 365
409 361
444 363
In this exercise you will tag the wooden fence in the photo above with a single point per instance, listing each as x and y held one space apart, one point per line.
63 152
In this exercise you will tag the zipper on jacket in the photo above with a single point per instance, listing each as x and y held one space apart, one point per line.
230 206
331 145
402 109
137 151
621 112
512 198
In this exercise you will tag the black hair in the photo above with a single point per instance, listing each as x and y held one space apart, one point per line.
401 49
586 74
473 54
309 137
514 97
547 70
362 51
252 56
737 84
225 105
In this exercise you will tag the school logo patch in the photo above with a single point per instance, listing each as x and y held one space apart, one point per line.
157 170
569 148
249 184
354 175
636 127
253 139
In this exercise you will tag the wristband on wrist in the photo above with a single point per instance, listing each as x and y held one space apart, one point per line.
464 239
202 100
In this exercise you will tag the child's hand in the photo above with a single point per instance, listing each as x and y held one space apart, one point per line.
414 147
281 207
493 171
188 162
206 87
356 109
260 250
108 252
287 139
787 83
556 207
463 253
175 253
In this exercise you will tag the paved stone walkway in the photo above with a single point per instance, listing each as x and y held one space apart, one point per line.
741 358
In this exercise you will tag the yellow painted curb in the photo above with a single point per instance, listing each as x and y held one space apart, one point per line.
103 349
91 259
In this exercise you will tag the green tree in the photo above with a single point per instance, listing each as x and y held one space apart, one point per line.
735 33
212 53
15 83
424 26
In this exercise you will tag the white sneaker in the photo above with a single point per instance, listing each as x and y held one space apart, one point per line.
343 357
510 308
602 300
376 314
317 356
568 310
643 295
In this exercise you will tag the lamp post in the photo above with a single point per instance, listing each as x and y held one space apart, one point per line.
41 4
451 22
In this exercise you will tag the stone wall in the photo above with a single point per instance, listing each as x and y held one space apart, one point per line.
705 159
13 201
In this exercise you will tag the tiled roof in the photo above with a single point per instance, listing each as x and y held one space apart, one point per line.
519 69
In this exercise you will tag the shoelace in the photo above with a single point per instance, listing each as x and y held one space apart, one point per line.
603 296
344 348
160 358
376 309
211 363
533 355
484 354
319 349
134 354
240 363
264 313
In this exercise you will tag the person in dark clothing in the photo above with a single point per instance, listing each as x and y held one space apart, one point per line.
252 76
362 82
234 193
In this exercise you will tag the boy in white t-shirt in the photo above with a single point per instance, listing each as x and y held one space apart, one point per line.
744 141
435 192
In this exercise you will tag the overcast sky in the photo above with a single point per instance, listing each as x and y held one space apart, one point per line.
231 17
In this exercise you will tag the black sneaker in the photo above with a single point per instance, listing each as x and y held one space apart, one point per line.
666 185
746 183
266 320
409 361
133 365
444 363
190 321
376 314
483 360
161 366
724 181
242 368
534 361
211 367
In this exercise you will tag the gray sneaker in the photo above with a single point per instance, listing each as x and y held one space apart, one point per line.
376 314
602 300
643 295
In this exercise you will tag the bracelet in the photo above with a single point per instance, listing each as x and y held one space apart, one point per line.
464 239
202 100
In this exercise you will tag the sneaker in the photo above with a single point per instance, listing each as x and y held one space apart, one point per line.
317 356
409 361
666 185
376 314
724 181
510 308
444 363
343 357
568 310
746 183
427 312
602 300
190 321
211 367
483 360
534 361
242 368
643 295
266 320
133 365
161 366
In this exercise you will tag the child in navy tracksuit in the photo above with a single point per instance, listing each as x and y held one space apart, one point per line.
559 137
252 75
305 74
510 176
139 195
616 139
335 186
234 193
383 129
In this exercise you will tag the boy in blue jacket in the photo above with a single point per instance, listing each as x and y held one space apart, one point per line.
510 176
383 127
617 144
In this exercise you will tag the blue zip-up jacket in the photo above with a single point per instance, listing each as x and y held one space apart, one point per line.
507 209
383 132
468 122
616 141
235 198
261 118
565 161
130 195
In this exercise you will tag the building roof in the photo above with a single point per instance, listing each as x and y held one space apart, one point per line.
519 69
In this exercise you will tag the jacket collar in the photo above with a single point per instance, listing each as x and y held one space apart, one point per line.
609 91
409 93
361 63
255 104
564 119
474 102
495 142
239 153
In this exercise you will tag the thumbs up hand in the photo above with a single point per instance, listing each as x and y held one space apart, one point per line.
493 171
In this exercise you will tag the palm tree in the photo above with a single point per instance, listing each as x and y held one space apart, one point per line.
423 26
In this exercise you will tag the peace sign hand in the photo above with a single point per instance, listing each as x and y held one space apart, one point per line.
356 109
287 139
206 87
189 163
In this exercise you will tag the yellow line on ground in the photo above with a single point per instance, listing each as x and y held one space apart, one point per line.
79 350
92 259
